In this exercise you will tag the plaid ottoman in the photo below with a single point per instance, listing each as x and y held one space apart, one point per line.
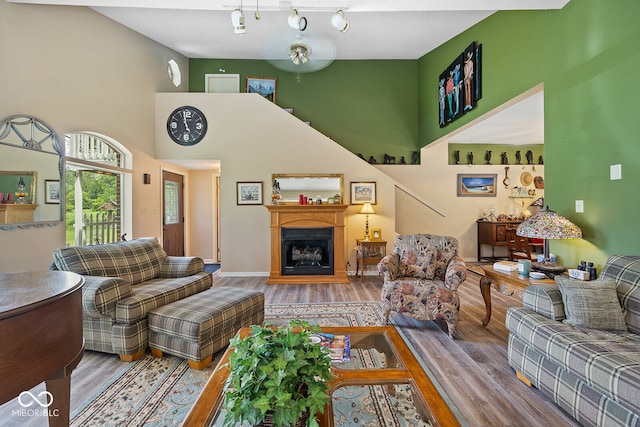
198 326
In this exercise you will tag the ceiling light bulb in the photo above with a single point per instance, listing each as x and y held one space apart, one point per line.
297 22
340 22
237 20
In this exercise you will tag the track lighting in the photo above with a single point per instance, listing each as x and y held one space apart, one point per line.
297 22
340 22
237 20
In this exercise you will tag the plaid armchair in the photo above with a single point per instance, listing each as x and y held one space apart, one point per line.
421 278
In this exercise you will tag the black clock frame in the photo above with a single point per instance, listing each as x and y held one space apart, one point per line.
196 116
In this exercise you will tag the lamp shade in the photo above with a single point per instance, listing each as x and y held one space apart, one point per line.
547 224
367 209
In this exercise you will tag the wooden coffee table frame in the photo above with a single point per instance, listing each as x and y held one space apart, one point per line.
407 370
510 283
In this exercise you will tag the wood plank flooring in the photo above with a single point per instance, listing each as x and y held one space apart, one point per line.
472 369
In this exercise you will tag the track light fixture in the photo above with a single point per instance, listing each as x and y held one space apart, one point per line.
298 23
340 22
237 20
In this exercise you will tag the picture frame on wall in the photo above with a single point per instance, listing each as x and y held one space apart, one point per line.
52 191
249 193
264 86
477 185
460 85
363 192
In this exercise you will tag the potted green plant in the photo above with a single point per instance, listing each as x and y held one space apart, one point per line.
278 375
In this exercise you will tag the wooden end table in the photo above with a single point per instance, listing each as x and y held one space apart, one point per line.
371 252
507 283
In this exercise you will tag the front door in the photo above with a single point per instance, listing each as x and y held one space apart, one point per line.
173 214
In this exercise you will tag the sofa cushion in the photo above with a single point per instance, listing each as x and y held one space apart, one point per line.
608 362
625 270
135 261
158 292
591 304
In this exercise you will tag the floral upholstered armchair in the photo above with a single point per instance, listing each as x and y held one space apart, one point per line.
421 278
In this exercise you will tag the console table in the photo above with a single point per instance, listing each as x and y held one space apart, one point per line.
493 233
41 336
370 252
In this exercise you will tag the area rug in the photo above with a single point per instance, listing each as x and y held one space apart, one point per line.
160 392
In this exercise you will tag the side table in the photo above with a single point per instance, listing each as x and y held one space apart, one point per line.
506 283
370 252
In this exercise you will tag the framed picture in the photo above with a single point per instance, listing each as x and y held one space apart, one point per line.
362 192
51 191
376 233
249 193
265 86
477 185
222 83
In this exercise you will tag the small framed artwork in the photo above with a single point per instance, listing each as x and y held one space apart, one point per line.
249 193
363 192
265 86
51 191
477 185
376 233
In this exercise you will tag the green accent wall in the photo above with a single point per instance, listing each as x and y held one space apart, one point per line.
587 57
368 107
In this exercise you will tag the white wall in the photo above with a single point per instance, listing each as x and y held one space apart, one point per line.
253 139
79 71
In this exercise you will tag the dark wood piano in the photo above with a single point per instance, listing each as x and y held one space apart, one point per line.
40 339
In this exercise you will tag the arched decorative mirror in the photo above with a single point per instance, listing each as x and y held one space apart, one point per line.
324 186
31 178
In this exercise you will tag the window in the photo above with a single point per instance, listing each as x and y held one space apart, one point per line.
98 189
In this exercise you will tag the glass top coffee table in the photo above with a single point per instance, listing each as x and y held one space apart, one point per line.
397 365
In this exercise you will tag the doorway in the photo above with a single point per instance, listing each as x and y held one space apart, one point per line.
173 213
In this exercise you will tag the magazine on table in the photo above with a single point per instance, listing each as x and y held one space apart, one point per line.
338 346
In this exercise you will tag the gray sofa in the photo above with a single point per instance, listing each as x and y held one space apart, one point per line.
124 281
578 343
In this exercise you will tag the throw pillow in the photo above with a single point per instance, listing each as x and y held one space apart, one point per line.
591 304
420 265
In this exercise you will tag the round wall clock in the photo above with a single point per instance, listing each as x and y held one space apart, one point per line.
187 125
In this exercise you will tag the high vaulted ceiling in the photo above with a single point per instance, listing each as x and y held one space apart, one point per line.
380 29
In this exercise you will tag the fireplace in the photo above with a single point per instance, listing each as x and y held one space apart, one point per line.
306 251
307 244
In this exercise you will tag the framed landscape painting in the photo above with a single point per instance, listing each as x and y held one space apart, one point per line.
363 192
477 185
265 86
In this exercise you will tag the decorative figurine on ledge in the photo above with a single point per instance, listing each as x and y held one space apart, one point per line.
518 158
470 157
372 160
487 157
505 159
529 157
403 161
540 161
456 156
415 158
389 160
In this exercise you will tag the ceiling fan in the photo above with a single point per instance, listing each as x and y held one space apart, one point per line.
298 52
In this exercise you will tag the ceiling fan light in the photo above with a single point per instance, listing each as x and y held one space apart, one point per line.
340 22
297 22
237 20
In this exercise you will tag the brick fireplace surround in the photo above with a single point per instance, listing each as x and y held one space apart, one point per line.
309 216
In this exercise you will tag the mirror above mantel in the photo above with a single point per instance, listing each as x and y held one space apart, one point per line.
30 155
313 186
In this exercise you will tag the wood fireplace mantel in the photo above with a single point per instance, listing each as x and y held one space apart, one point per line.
326 215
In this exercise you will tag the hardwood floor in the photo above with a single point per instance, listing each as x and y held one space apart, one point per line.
472 369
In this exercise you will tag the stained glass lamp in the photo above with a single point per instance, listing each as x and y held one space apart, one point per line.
547 224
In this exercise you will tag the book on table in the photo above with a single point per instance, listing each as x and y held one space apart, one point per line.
506 266
338 346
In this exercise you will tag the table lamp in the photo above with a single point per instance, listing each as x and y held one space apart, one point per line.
367 210
547 224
